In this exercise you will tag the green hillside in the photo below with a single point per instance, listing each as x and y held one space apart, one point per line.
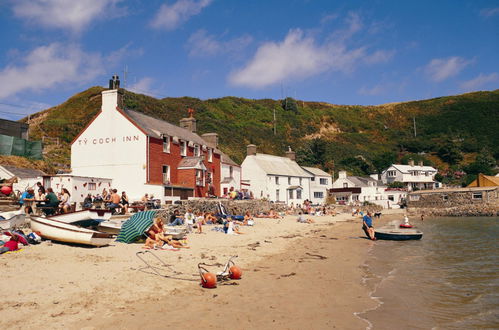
451 131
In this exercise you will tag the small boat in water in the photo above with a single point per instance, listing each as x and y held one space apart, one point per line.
84 218
64 232
395 233
12 219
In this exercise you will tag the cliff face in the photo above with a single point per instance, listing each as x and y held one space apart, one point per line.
447 132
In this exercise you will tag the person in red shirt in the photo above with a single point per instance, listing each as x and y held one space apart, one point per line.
11 245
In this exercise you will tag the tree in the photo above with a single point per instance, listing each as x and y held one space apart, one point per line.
450 153
484 163
289 104
313 153
383 161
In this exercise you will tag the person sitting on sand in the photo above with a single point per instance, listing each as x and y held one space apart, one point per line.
11 245
248 219
302 219
189 218
209 218
231 228
274 215
199 222
367 225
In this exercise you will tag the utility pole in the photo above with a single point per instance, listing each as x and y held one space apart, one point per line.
414 121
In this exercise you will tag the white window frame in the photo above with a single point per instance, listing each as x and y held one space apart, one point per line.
318 194
199 178
92 186
477 196
166 175
210 155
276 180
391 173
166 143
298 194
291 194
277 195
289 180
183 148
323 181
197 150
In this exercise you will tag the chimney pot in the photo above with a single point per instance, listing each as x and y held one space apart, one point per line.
251 149
211 139
291 154
411 162
188 123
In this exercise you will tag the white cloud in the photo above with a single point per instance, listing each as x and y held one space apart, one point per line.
170 17
379 56
50 66
143 86
440 69
479 81
489 12
202 44
73 15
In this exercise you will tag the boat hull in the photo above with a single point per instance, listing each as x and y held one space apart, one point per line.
397 236
83 217
63 232
14 221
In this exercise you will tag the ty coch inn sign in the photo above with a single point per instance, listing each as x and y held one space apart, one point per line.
108 140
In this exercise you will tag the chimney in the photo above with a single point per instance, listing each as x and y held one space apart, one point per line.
342 175
420 163
211 139
291 154
251 149
411 162
189 123
112 98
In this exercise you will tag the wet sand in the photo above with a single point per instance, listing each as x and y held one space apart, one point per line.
294 276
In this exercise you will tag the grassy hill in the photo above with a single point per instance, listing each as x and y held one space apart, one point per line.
450 131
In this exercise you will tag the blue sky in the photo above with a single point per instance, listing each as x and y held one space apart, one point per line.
341 52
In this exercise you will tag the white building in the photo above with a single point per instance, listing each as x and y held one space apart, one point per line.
278 179
355 190
412 176
79 186
320 184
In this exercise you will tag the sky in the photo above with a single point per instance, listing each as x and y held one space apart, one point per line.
339 52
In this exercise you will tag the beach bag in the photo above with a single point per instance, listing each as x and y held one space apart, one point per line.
251 222
34 238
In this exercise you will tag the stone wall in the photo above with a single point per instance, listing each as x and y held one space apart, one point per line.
235 207
460 202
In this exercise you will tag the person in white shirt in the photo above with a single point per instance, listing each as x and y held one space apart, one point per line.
189 218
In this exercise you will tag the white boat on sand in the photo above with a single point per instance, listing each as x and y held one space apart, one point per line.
12 219
83 216
111 226
64 232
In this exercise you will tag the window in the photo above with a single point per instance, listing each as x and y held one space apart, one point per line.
318 194
277 194
210 156
197 150
300 181
312 179
427 173
92 186
477 195
290 194
166 143
199 178
345 185
276 180
391 198
298 194
183 148
231 172
323 181
289 180
355 197
391 173
445 197
166 174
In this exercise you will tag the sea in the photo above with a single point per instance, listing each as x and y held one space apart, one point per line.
447 280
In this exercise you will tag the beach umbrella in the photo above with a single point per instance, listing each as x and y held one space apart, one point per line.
136 226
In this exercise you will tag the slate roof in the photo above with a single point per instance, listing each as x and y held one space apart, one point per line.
316 171
277 165
360 181
227 160
156 127
191 162
407 168
23 173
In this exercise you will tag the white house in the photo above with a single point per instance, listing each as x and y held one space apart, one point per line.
278 179
320 184
356 190
23 178
412 176
79 186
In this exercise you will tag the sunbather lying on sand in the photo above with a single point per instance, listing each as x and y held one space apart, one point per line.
156 237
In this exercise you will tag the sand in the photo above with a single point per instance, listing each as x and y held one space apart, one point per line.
294 276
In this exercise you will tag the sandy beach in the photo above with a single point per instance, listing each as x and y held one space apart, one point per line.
294 276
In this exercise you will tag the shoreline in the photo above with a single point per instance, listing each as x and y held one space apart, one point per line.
62 286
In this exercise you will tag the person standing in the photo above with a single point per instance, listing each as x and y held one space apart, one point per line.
124 201
367 222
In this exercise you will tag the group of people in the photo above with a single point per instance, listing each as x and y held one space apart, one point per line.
45 199
111 200
238 194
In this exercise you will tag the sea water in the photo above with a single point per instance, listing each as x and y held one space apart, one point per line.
447 280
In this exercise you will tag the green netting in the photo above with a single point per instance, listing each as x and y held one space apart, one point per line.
12 146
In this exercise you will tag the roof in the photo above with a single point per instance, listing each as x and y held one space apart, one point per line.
485 181
360 181
451 190
277 165
191 163
316 171
22 173
156 128
227 160
294 187
407 168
